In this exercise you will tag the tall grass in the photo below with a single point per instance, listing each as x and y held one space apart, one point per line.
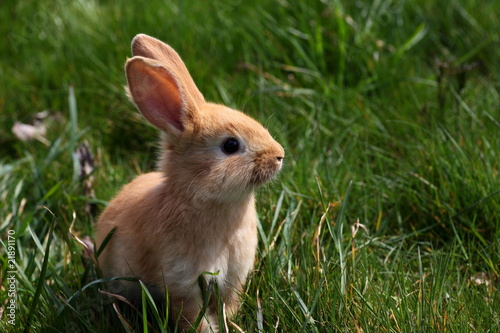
386 216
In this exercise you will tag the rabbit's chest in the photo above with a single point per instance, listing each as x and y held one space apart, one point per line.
228 260
232 262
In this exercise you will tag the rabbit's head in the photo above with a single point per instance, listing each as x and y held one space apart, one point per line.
208 150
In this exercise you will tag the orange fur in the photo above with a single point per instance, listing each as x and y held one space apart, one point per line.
196 214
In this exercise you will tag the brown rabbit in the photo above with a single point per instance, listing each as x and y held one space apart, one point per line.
197 213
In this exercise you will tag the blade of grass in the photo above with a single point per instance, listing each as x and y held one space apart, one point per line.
105 242
147 299
41 280
414 39
128 328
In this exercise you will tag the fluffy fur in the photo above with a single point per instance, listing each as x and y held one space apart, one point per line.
197 213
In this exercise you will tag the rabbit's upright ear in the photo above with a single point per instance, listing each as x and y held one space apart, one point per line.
152 48
159 95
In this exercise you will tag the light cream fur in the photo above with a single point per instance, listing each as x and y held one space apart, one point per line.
197 213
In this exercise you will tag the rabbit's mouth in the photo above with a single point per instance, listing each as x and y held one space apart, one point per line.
261 175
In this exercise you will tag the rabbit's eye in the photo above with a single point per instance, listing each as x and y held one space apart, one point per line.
230 146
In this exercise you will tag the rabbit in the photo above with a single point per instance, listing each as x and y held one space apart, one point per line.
197 213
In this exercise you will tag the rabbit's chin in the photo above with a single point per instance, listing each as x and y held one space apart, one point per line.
225 195
260 178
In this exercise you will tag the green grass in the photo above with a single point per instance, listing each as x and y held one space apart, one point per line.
389 112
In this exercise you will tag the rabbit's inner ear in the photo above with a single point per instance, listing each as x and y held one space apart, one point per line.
152 48
157 94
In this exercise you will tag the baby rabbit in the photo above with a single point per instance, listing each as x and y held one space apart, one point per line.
197 213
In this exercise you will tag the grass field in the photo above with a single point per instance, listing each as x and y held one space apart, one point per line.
386 216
